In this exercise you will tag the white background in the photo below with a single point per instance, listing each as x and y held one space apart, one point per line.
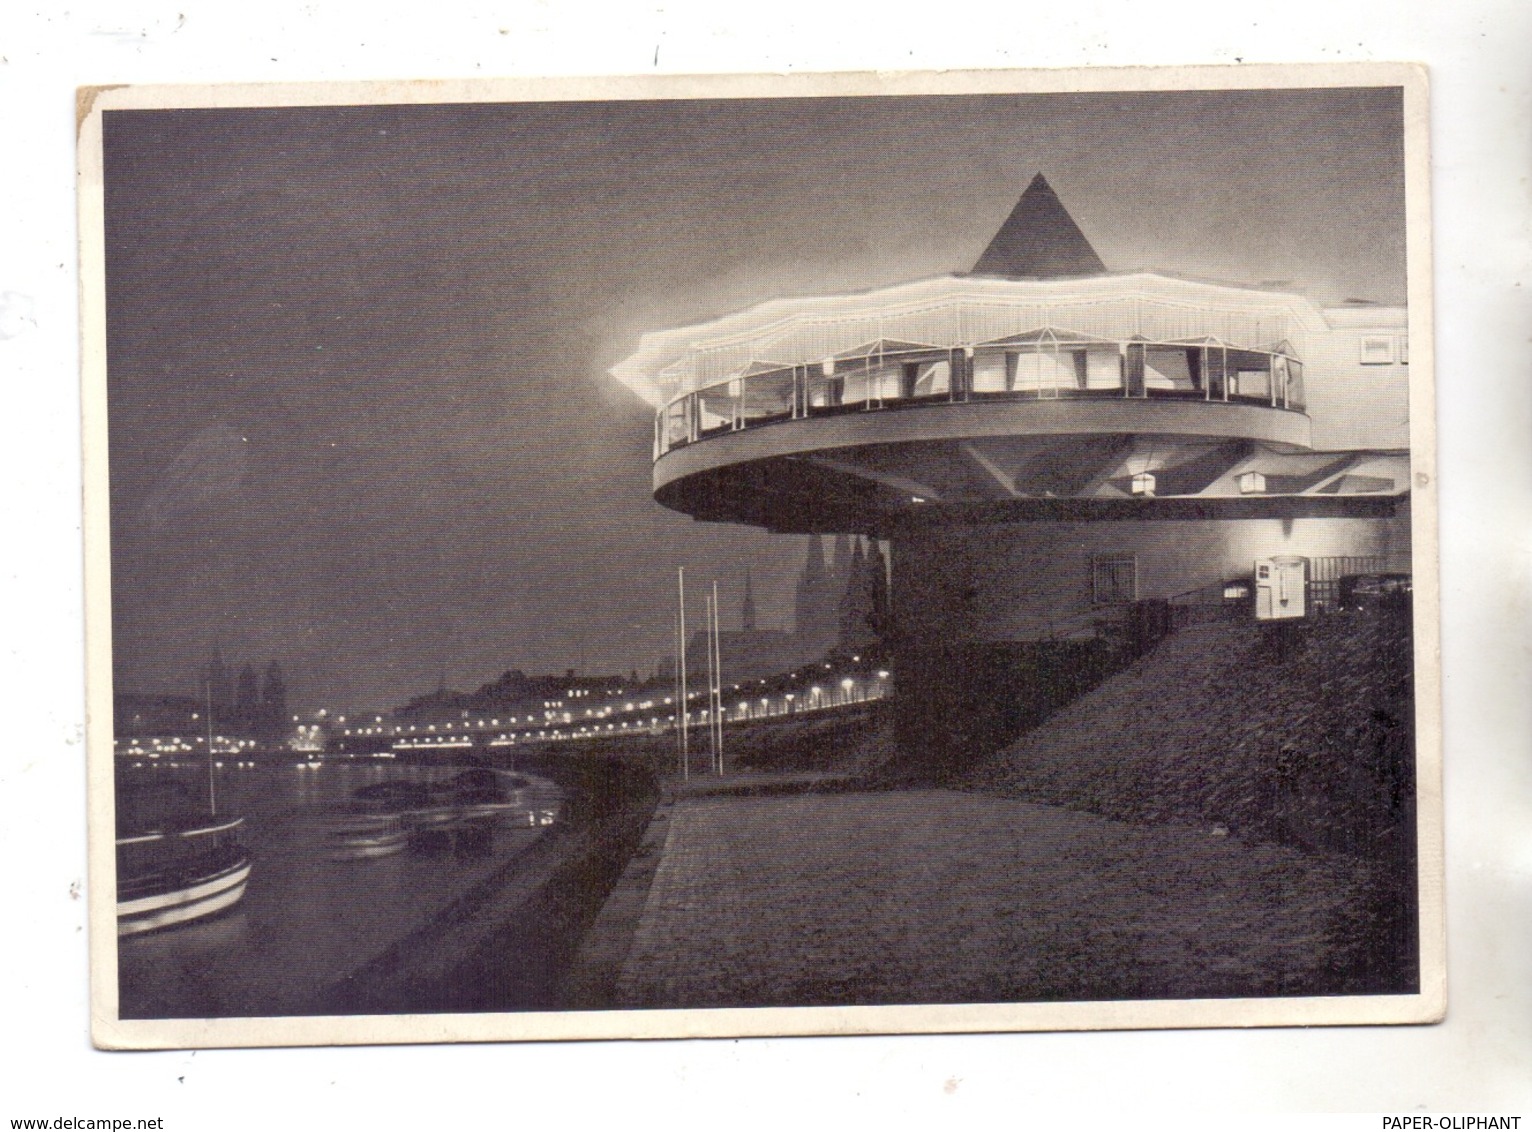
1480 55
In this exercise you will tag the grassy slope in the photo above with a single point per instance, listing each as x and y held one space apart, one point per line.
1301 735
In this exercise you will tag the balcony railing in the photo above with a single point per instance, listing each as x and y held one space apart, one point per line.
1053 372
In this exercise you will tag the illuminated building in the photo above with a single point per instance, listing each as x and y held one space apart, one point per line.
1041 442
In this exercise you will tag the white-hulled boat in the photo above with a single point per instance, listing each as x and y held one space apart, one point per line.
364 836
174 864
170 876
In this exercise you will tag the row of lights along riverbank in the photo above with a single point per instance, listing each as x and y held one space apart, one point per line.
817 688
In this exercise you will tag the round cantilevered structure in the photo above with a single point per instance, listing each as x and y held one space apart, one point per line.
998 426
967 390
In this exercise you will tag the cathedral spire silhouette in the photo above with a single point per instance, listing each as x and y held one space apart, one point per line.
747 607
816 621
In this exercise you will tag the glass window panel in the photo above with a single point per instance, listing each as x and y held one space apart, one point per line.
675 422
989 374
858 385
1279 379
767 396
885 382
1168 369
1250 374
933 378
825 392
715 408
1103 368
1213 360
1133 378
1253 383
1045 370
1295 395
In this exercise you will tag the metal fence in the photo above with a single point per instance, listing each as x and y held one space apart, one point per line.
1325 575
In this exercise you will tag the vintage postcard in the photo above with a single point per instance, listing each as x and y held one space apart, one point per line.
721 556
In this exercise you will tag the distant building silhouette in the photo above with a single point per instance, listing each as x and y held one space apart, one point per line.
747 607
856 604
864 599
753 653
749 652
844 548
248 705
816 612
135 713
218 689
513 693
273 711
247 699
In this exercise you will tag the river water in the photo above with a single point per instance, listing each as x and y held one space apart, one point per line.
307 919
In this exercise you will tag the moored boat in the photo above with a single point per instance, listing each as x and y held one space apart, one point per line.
174 875
362 836
175 862
460 814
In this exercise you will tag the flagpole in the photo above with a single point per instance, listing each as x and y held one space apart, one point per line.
681 712
212 789
712 729
675 640
718 678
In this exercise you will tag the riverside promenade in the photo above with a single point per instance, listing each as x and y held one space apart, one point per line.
747 894
1237 840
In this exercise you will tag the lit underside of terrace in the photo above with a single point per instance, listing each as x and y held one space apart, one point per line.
877 488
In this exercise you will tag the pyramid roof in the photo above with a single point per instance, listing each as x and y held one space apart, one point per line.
1039 240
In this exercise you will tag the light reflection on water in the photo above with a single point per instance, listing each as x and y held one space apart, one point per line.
308 920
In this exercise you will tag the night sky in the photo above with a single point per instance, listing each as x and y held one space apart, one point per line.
360 420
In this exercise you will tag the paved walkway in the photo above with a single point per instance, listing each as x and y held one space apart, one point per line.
940 896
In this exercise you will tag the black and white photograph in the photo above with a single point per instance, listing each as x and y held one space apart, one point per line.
650 558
